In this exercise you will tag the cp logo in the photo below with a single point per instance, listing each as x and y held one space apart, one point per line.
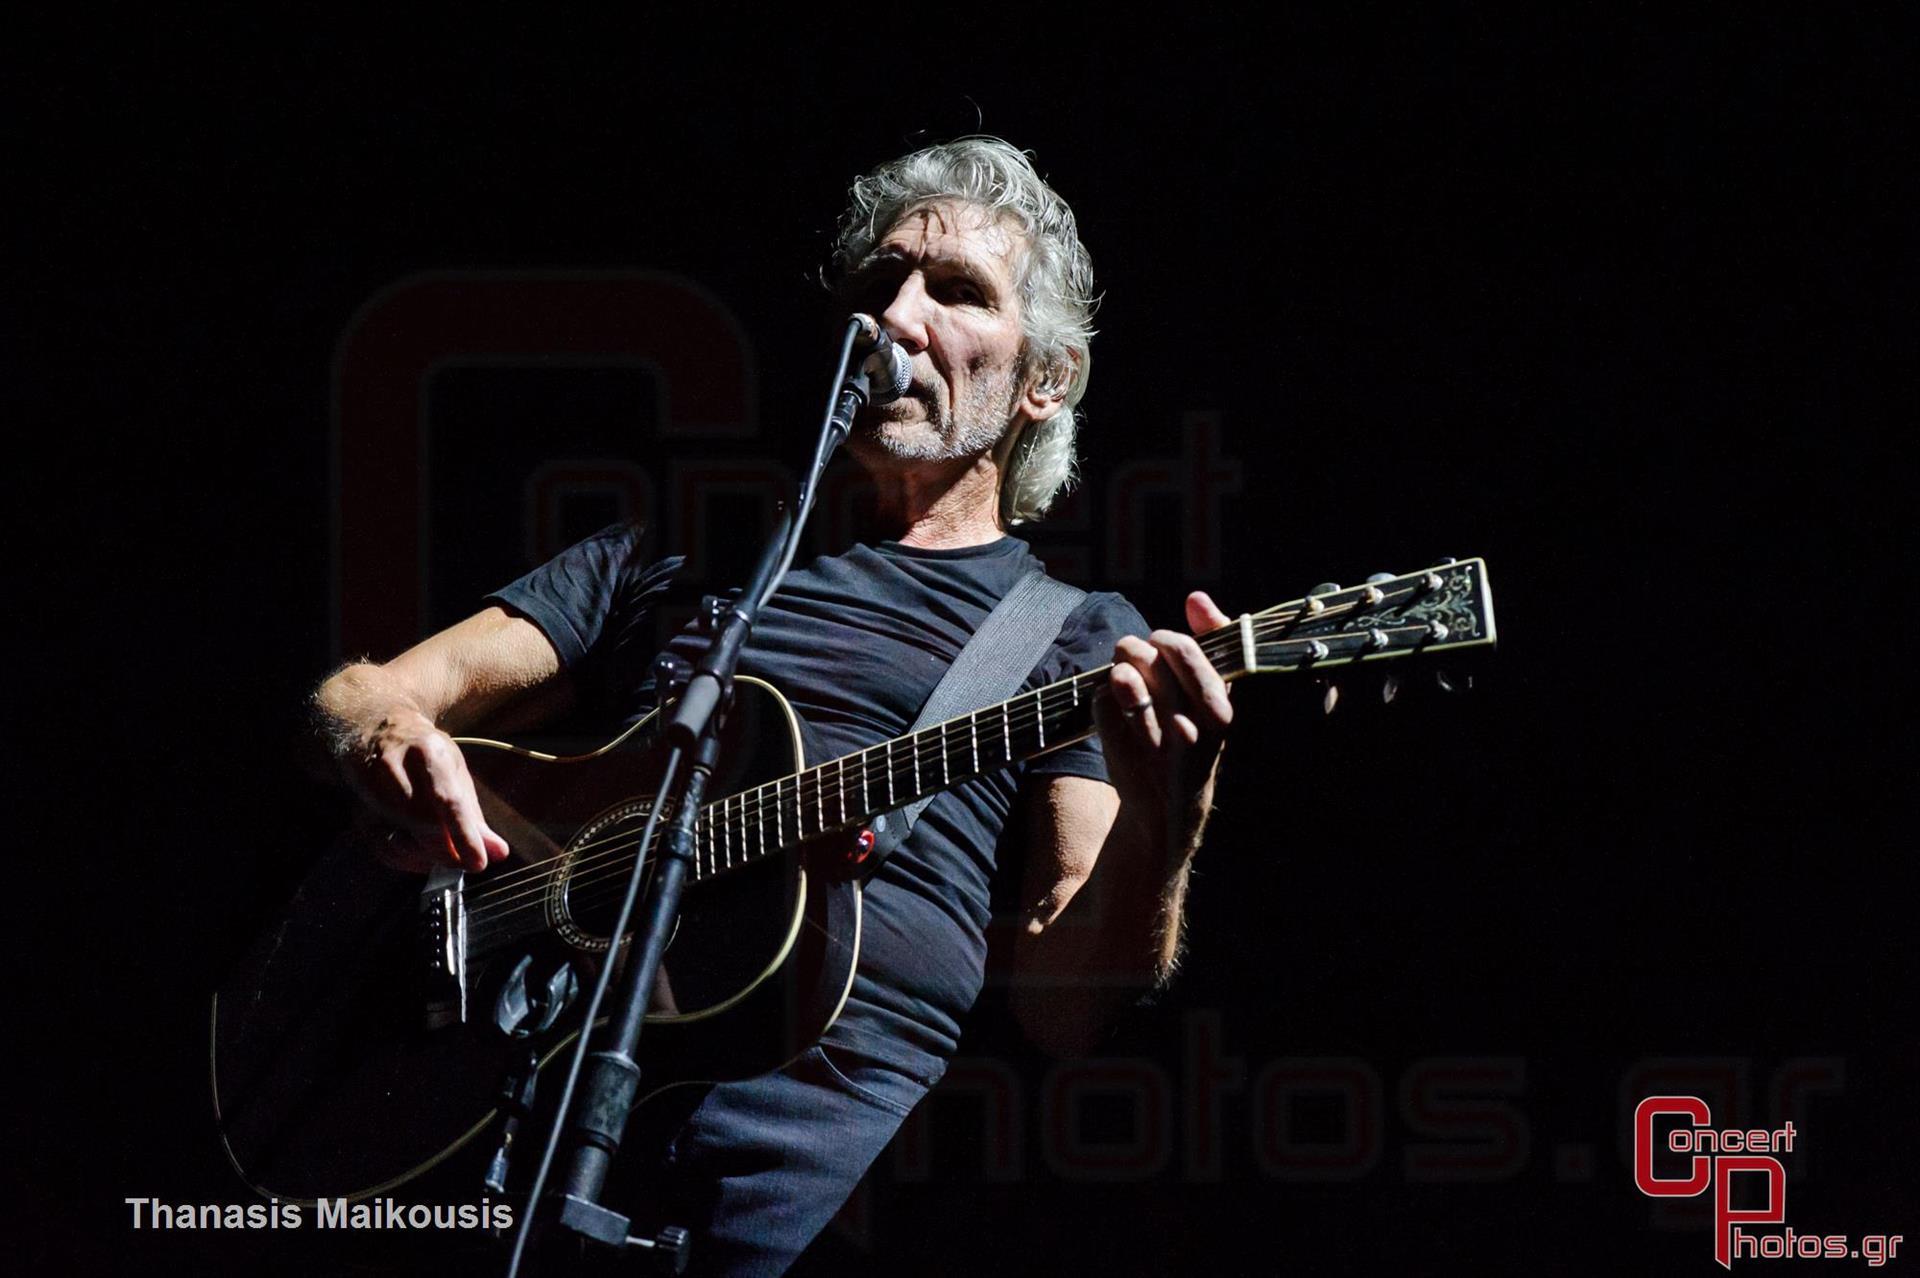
1715 1171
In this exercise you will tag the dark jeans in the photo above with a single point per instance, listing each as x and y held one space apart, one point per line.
759 1167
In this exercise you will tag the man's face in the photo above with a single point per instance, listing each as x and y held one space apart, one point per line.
942 282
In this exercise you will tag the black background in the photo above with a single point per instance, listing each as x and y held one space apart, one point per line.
1606 298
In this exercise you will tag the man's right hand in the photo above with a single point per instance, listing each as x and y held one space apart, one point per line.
413 773
382 724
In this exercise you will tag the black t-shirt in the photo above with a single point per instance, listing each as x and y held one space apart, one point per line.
856 642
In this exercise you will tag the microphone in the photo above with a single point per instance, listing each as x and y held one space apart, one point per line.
888 369
871 336
882 377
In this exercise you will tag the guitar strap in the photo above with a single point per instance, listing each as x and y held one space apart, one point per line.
990 669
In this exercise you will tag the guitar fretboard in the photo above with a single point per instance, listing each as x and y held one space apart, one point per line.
848 792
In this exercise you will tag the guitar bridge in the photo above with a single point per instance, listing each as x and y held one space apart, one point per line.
443 948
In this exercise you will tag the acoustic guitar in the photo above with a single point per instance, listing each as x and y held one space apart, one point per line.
366 1037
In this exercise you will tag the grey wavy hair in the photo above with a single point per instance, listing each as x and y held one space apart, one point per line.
1054 276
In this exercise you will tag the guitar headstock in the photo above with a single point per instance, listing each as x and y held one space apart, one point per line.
1437 609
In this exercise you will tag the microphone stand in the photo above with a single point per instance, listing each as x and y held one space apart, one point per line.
690 743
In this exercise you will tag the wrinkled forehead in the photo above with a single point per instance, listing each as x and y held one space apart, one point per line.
954 228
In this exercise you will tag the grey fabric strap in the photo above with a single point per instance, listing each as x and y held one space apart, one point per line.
989 670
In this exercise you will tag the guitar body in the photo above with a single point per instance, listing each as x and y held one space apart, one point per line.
350 1053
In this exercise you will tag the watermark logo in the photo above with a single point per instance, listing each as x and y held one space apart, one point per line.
1713 1158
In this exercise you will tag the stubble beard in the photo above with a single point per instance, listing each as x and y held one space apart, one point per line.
965 430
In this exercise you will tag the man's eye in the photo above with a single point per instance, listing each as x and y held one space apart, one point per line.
874 293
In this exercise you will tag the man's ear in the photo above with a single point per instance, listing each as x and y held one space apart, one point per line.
1047 386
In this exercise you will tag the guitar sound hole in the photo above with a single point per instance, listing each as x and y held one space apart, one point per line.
733 926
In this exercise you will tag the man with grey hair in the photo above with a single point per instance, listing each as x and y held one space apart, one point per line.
1053 279
975 267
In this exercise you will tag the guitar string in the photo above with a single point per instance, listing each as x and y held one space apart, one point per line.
792 793
585 886
1032 708
1224 639
751 816
831 777
773 812
710 859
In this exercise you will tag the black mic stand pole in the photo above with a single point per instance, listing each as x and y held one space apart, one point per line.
612 1076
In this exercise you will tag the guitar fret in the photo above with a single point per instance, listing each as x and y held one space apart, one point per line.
973 735
915 742
865 805
843 791
1006 733
1040 715
946 760
780 811
726 834
758 805
891 801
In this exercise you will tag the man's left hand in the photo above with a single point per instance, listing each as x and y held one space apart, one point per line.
1165 718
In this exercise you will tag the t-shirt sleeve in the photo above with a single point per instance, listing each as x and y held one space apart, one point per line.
591 596
1086 643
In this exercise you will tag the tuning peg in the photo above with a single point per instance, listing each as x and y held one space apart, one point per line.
1389 689
1325 588
1330 699
1375 578
1444 560
1445 684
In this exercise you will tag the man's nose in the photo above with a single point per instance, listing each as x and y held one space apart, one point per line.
906 316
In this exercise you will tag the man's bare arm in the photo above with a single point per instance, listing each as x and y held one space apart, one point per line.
388 725
1107 870
1102 915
